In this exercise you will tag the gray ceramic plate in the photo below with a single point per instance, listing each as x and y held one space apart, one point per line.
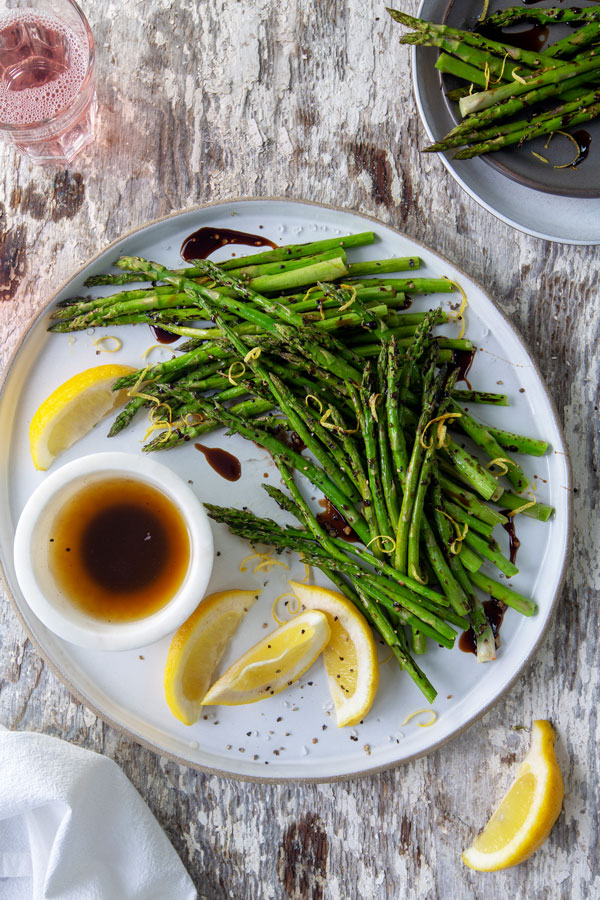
553 217
519 163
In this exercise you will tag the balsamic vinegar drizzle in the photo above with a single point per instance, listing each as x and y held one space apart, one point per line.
532 37
204 241
494 610
463 359
584 139
162 336
334 523
224 463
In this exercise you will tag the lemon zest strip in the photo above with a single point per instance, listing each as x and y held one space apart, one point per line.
193 418
484 11
293 611
157 347
383 537
142 396
332 427
244 568
268 565
500 76
352 289
486 72
540 157
265 561
156 424
231 377
460 535
518 77
316 399
139 382
574 141
441 430
311 290
108 337
252 354
528 505
458 316
500 461
418 712
307 571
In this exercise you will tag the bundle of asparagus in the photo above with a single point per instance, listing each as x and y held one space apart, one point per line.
370 391
514 81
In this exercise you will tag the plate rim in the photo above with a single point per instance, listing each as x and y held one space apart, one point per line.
349 776
495 174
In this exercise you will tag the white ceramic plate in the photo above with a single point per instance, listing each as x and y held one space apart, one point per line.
292 735
568 220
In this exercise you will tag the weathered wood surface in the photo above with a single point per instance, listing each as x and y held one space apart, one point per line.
312 99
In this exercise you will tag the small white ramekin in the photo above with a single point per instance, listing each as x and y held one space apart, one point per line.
39 587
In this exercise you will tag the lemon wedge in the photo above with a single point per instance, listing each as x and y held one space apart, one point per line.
196 650
523 820
274 663
350 656
72 410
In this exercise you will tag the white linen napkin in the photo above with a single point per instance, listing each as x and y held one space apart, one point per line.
72 827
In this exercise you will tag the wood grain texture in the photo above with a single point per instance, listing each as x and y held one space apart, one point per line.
312 99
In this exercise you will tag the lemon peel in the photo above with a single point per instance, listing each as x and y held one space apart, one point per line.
441 430
293 611
458 316
161 347
484 11
460 534
265 561
518 78
307 572
501 462
317 401
108 337
197 648
540 157
383 537
573 141
418 712
193 418
348 304
252 354
231 377
72 410
324 421
529 505
312 290
350 656
529 809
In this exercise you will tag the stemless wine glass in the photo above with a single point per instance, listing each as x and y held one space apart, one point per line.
47 85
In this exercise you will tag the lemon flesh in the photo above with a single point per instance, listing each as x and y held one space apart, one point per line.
197 648
274 663
72 410
527 813
350 657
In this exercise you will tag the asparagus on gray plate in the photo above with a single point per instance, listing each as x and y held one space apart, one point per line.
501 81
